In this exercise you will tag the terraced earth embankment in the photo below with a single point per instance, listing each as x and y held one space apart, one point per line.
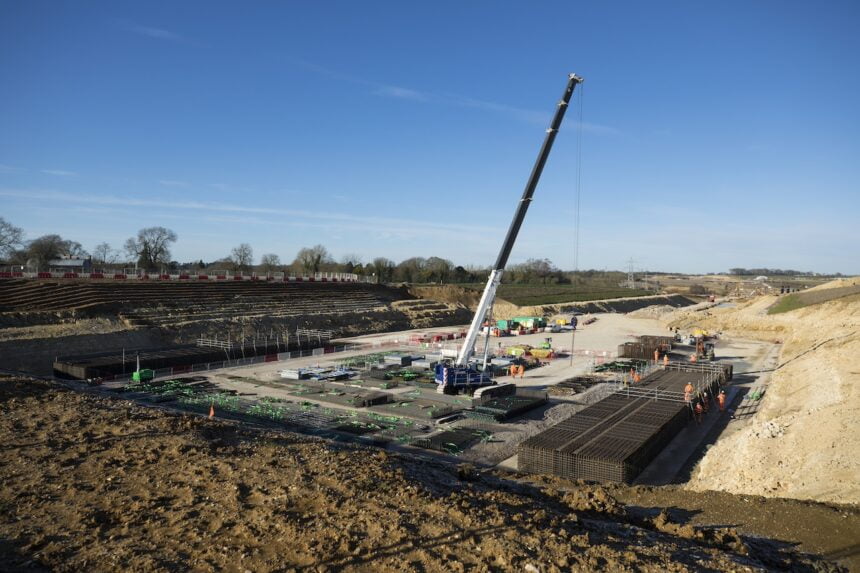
504 309
40 320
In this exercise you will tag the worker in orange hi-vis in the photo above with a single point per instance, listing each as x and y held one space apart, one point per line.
665 360
656 355
636 378
513 370
688 392
693 357
721 400
522 371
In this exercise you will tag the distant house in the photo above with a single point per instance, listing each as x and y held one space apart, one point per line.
761 278
71 265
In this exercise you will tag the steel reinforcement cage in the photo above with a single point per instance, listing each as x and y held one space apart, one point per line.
614 439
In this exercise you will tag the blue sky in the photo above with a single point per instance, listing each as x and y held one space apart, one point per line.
714 135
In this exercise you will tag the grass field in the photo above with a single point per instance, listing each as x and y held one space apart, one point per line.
801 299
535 295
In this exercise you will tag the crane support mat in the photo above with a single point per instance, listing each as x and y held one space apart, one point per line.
613 439
453 441
503 408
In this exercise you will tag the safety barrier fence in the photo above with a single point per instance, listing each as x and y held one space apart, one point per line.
185 277
208 366
707 378
443 343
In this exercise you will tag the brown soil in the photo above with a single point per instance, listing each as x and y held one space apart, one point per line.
76 327
102 484
32 337
503 309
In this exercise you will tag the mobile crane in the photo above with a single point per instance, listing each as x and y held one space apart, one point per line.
461 375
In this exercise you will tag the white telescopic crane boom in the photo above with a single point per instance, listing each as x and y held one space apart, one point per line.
489 295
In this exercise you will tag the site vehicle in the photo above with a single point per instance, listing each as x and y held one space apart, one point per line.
705 350
142 375
461 375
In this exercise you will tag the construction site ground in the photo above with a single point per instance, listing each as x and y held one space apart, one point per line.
593 344
100 484
94 481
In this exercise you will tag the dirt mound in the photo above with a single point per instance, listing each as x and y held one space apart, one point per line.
838 283
101 484
802 442
654 311
466 297
504 309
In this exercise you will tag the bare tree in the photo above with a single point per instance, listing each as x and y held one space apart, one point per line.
151 247
270 262
43 250
105 254
11 237
383 269
411 270
350 261
310 259
438 269
242 257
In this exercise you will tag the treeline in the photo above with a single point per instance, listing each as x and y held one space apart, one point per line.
150 250
777 272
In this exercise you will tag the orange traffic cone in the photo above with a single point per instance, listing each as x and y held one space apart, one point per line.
211 411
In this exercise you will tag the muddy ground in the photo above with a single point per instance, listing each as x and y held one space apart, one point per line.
100 484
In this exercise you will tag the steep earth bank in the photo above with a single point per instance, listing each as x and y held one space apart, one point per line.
503 309
803 441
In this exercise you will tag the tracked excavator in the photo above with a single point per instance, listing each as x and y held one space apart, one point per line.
462 375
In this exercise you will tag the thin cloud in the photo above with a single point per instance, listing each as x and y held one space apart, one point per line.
59 172
157 33
401 93
173 183
449 99
598 129
153 32
326 219
9 168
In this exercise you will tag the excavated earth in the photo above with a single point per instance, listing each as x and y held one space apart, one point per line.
91 483
40 320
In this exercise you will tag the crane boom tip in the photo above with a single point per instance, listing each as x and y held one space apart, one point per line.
578 79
